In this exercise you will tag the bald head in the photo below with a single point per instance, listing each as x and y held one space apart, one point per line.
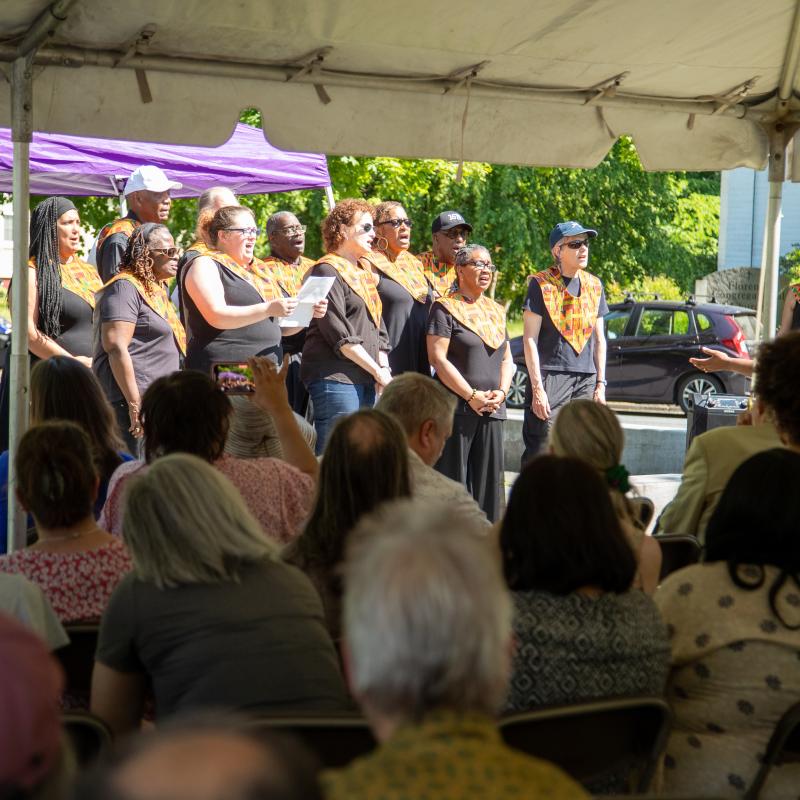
207 764
216 197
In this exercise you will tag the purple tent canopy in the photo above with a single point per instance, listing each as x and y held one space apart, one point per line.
246 163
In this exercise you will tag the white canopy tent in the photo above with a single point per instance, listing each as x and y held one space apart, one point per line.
699 86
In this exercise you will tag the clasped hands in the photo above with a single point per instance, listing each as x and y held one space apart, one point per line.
487 402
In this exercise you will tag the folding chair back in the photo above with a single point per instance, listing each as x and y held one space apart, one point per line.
783 748
678 550
335 740
77 658
89 735
594 740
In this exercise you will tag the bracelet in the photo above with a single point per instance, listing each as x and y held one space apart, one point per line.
601 383
472 396
505 394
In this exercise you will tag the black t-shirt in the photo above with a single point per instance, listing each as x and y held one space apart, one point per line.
555 352
153 350
406 323
478 363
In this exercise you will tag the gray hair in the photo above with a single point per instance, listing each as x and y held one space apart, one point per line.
273 223
208 199
185 522
427 615
464 254
413 398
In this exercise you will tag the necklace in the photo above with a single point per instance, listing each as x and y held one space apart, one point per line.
64 538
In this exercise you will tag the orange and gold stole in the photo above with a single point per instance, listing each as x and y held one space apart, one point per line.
289 276
574 317
484 316
155 295
125 225
441 276
406 270
256 275
360 280
79 278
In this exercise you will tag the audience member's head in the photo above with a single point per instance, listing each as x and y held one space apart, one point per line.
776 383
185 523
34 761
424 409
185 412
755 522
365 464
205 757
56 479
552 542
63 388
427 618
591 431
207 205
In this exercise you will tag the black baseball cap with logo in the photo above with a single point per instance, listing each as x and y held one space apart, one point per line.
449 219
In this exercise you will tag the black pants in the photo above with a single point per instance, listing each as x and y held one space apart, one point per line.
295 388
123 424
473 455
560 387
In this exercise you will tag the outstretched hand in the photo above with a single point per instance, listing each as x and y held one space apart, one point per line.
270 383
715 362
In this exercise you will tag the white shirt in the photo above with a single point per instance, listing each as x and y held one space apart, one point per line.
26 602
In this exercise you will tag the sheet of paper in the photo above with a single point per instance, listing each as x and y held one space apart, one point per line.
312 291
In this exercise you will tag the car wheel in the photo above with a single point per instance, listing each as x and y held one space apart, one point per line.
516 391
696 383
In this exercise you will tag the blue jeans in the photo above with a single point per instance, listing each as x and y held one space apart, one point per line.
333 400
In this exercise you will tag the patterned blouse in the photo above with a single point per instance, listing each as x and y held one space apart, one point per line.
574 647
278 495
735 671
77 584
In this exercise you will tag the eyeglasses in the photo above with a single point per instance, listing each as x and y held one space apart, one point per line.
483 266
456 234
246 231
576 244
396 223
290 229
366 228
169 252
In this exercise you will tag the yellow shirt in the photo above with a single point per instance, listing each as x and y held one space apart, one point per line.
449 757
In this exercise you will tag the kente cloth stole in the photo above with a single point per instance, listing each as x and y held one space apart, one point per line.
201 248
155 295
79 278
405 270
125 225
255 275
360 280
484 317
796 291
574 317
440 276
289 276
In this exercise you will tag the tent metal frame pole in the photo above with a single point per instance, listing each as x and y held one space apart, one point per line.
769 266
331 200
22 134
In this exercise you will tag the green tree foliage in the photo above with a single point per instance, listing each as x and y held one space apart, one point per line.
651 225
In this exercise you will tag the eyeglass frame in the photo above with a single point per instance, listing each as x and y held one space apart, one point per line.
396 223
579 242
290 229
483 266
165 251
255 232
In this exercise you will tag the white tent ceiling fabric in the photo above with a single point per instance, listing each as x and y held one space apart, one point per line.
387 70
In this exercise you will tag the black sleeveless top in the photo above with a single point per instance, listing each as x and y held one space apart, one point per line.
795 315
76 325
206 344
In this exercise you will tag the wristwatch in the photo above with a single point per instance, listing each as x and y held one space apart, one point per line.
597 383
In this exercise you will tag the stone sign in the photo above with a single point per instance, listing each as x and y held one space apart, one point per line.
735 287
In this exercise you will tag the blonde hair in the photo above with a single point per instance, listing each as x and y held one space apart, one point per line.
185 522
591 431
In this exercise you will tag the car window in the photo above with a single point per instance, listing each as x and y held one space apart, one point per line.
747 322
616 322
663 322
703 322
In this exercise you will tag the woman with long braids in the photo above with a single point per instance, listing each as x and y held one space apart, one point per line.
61 291
405 293
138 335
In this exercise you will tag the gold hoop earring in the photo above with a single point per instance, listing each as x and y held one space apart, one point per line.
381 243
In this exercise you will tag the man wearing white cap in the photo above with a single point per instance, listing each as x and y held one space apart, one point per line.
147 195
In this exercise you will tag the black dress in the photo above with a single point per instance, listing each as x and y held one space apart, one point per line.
206 344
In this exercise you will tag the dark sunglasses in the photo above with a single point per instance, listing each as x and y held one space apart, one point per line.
169 252
396 223
366 227
576 244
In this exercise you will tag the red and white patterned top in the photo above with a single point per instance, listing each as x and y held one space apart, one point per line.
277 494
77 584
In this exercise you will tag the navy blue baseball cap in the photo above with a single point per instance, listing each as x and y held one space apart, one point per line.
570 228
